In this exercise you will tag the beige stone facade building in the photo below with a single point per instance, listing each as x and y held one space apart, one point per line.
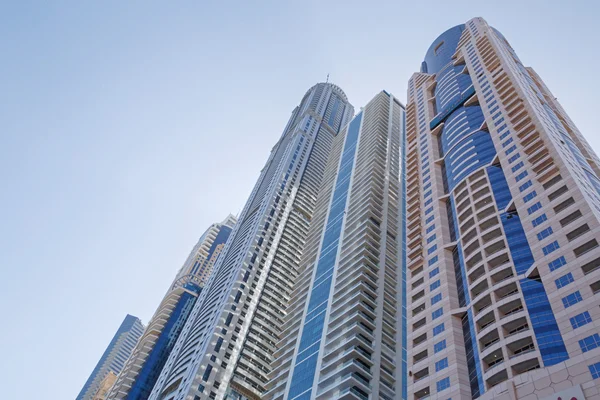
503 211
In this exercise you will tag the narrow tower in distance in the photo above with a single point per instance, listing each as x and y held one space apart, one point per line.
114 357
226 346
342 336
503 210
136 380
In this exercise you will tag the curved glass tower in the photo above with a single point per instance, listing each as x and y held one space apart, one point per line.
502 265
226 347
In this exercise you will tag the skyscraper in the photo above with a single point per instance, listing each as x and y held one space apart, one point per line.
503 209
107 383
343 333
114 357
226 346
136 380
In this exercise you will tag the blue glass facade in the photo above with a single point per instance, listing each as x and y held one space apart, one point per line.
159 354
403 256
152 366
547 334
465 148
545 328
307 355
130 325
442 49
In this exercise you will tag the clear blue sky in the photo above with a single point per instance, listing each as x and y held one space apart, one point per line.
127 127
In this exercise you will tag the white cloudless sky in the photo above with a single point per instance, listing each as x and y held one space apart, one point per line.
128 127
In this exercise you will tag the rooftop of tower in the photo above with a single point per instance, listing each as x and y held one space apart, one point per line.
443 48
335 87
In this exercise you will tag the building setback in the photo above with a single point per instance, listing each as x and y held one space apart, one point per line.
136 380
342 336
226 346
503 209
114 357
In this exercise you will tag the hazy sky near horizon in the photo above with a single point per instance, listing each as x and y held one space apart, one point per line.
128 127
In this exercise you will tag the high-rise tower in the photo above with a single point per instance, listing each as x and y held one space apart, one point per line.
136 380
503 210
343 333
114 357
226 346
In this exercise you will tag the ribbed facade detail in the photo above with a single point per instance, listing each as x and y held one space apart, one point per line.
344 319
503 208
226 347
141 371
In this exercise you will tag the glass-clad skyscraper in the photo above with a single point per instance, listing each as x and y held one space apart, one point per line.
114 357
136 380
503 209
343 333
226 347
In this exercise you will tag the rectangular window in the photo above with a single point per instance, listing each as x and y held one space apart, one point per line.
431 238
426 195
207 373
439 346
428 220
595 370
437 313
428 202
529 196
219 344
545 233
429 229
433 261
430 209
434 285
542 218
572 299
534 208
556 264
436 299
237 297
509 141
514 158
550 248
432 249
510 149
517 166
525 186
442 364
589 343
443 384
564 280
434 272
438 329
521 176
580 320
